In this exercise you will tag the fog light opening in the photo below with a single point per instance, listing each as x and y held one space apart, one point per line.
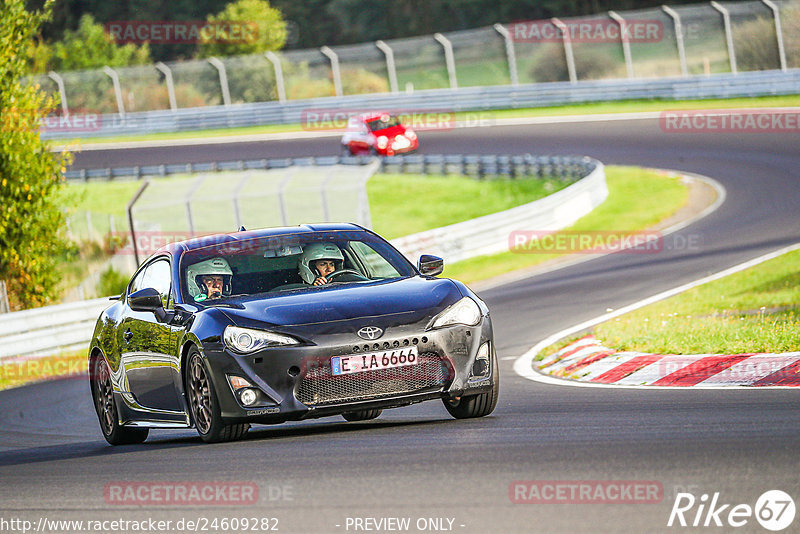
248 397
480 369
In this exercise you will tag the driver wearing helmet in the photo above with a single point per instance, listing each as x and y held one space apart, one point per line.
209 279
318 261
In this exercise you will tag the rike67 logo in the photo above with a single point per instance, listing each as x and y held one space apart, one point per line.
774 510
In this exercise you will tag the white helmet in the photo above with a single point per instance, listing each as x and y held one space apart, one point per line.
318 251
217 266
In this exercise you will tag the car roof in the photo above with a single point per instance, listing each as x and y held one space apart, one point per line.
180 247
372 115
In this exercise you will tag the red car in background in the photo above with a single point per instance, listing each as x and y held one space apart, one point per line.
378 133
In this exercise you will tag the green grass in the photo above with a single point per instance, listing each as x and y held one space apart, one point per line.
755 310
638 198
626 106
403 204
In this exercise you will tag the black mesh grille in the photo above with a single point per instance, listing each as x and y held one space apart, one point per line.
319 386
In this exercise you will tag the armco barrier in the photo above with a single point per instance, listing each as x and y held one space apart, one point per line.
51 329
744 84
475 165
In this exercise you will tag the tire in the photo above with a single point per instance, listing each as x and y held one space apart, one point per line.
345 151
478 405
362 415
203 404
106 407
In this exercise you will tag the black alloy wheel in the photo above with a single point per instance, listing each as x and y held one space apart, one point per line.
106 407
203 404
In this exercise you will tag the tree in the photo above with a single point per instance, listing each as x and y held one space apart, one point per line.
31 221
245 27
90 47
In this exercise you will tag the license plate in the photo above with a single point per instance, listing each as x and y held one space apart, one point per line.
373 361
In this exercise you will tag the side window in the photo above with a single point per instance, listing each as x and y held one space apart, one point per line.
377 264
137 282
158 276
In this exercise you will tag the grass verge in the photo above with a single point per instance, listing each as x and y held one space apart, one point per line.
755 310
593 108
638 198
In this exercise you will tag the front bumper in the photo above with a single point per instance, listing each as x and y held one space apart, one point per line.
296 383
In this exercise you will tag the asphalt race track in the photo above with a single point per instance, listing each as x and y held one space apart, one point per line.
417 462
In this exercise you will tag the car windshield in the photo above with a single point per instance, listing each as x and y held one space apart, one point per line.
383 122
293 262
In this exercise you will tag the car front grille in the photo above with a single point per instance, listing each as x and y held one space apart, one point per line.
319 387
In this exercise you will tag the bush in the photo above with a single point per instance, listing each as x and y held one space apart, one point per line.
112 282
551 65
756 44
31 220
362 82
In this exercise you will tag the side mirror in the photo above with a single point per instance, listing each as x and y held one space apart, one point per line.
430 265
148 300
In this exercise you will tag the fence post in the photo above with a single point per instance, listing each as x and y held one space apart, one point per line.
567 39
449 59
626 43
676 19
111 73
188 202
276 64
173 103
510 54
223 80
282 195
390 66
236 209
129 209
4 307
337 75
776 13
62 92
726 20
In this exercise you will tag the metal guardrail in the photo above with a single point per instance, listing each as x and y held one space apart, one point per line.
744 84
50 329
478 166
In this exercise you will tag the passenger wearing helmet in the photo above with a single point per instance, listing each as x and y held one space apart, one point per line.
318 261
209 279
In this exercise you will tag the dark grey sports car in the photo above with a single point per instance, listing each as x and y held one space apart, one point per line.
286 324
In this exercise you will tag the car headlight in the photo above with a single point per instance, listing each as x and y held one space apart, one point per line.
383 141
465 312
246 340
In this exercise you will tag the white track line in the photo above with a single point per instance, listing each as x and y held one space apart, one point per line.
523 366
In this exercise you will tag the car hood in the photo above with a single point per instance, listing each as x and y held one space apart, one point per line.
391 132
414 299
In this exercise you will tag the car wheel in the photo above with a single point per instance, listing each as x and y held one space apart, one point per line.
204 406
346 152
476 405
106 407
362 415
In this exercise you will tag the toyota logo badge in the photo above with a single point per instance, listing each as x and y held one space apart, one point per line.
370 332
